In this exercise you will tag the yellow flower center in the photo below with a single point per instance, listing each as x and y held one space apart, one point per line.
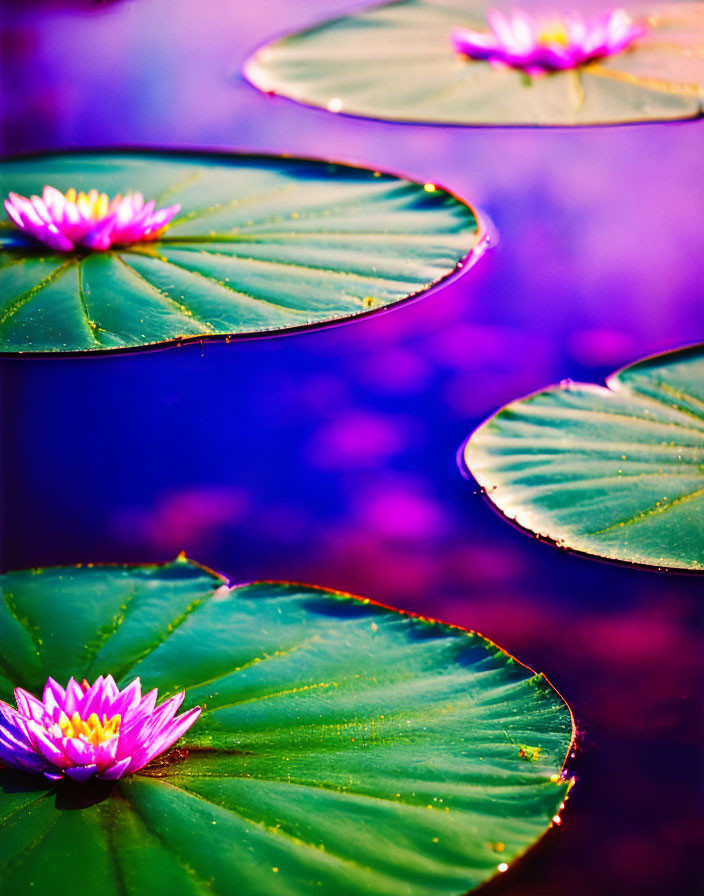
554 33
94 204
90 730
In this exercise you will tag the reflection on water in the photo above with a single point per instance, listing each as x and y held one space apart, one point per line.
330 457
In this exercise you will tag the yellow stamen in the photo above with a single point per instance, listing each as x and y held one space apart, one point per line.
93 205
65 725
101 206
554 33
83 203
90 730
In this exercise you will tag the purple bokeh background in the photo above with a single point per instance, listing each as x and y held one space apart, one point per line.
329 457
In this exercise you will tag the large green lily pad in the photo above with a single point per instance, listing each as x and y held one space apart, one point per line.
615 472
344 748
396 62
262 244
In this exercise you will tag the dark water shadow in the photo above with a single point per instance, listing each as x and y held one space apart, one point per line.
71 795
68 794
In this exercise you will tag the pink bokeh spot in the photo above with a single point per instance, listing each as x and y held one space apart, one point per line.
66 221
85 731
185 516
547 42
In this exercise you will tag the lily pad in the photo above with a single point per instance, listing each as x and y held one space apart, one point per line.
344 747
262 244
615 472
396 62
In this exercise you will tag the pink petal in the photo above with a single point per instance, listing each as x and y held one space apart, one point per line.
14 743
168 709
100 237
29 705
74 697
14 213
149 701
23 759
130 697
104 754
111 689
78 751
116 770
41 209
27 210
91 698
57 693
54 238
49 749
169 737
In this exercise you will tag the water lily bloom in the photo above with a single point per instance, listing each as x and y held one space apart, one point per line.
89 730
541 43
91 220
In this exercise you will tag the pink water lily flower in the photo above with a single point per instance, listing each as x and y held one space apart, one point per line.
547 42
91 220
89 730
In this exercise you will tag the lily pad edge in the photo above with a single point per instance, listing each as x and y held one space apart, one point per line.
225 583
484 238
613 384
249 66
184 559
567 778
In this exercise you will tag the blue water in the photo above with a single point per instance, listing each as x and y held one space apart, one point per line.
329 457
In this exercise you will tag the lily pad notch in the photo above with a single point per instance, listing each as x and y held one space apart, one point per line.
342 745
396 62
261 245
614 471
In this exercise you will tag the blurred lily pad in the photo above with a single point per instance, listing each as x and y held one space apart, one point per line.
614 472
396 62
344 748
262 244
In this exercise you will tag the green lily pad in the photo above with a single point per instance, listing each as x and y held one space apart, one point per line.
615 472
396 62
344 747
262 244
